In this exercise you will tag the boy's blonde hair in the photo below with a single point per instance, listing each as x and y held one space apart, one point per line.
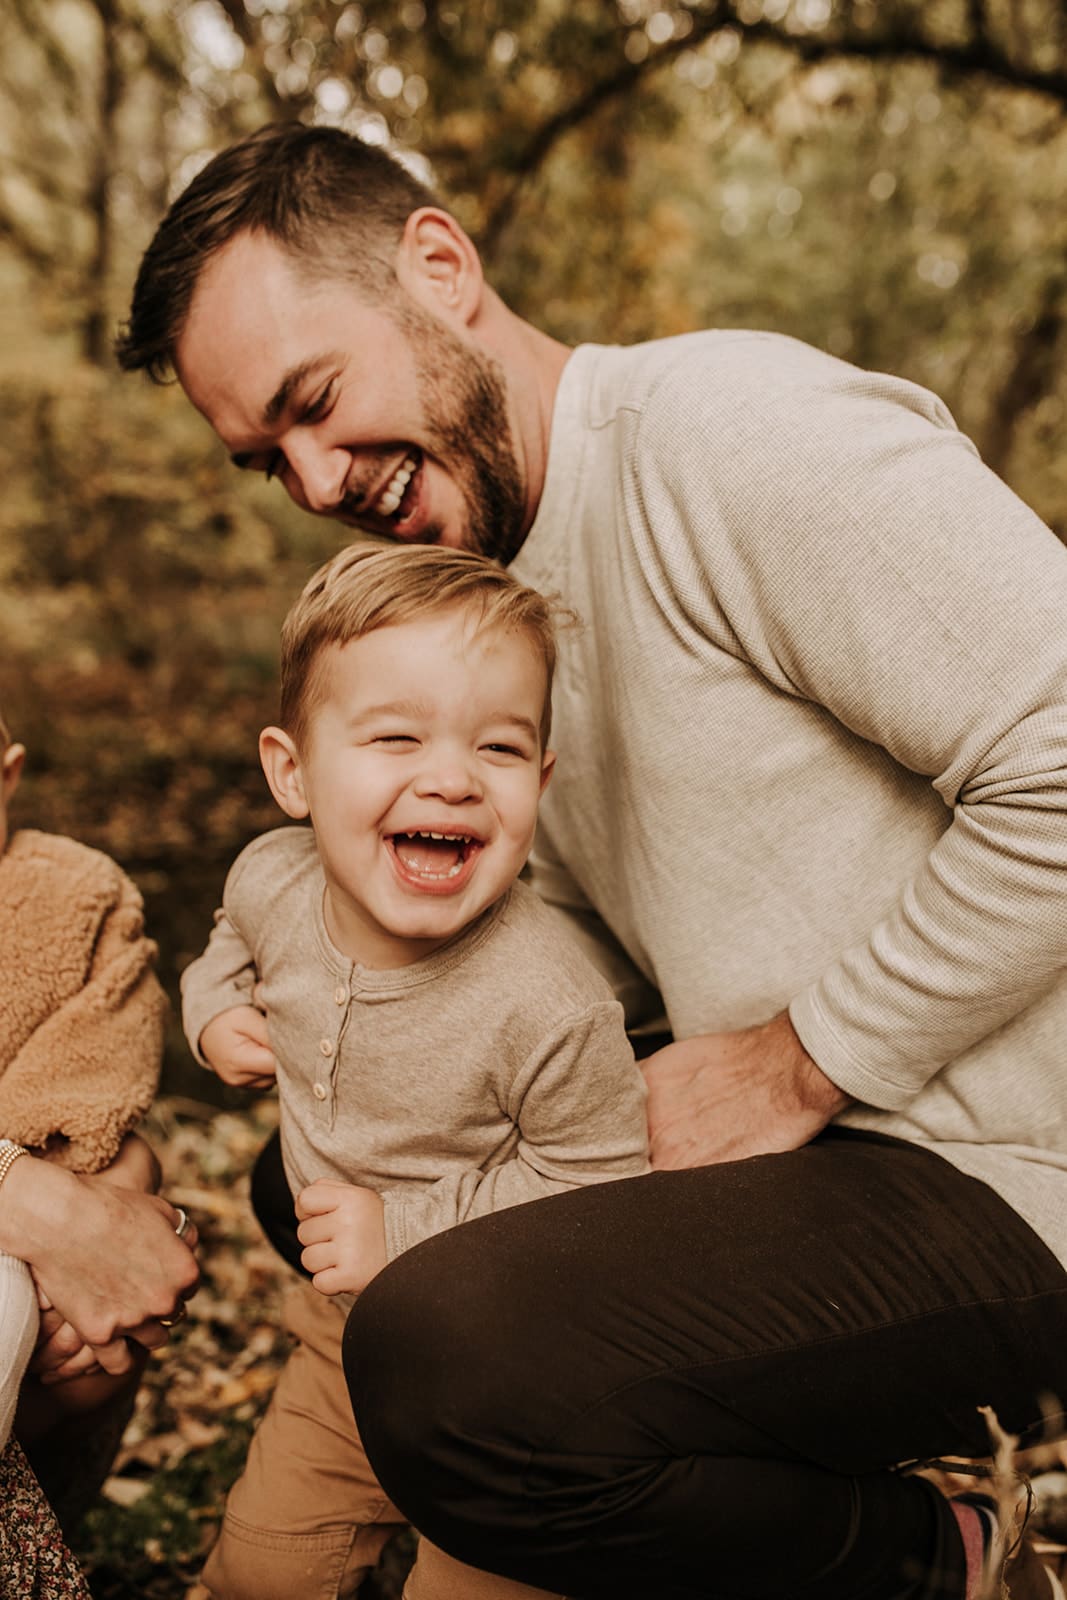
370 586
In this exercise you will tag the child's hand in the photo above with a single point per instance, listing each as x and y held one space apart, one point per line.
342 1229
60 1353
236 1046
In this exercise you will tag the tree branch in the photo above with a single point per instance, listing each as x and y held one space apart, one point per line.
980 57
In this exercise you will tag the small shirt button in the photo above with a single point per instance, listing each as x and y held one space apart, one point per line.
340 994
319 1091
326 1047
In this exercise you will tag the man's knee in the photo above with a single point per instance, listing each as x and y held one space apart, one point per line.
433 1364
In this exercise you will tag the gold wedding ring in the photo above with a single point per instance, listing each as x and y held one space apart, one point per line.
170 1322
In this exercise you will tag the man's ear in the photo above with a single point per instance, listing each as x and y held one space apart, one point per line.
281 766
548 763
11 770
439 266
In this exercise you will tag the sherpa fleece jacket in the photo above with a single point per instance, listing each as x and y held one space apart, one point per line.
81 1010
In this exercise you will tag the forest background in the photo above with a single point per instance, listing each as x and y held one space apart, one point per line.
879 177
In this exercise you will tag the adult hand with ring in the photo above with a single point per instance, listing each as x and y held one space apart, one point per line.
182 1228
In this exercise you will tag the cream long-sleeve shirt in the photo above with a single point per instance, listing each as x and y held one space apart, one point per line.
813 739
495 1070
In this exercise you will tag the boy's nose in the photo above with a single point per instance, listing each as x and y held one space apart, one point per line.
448 778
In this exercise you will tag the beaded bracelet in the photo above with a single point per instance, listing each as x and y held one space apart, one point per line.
9 1154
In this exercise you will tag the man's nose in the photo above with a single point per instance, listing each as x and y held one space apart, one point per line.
320 473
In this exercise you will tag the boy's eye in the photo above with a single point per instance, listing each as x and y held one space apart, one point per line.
506 750
395 738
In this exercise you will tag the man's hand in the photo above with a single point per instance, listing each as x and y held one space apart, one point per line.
722 1096
236 1046
342 1229
106 1259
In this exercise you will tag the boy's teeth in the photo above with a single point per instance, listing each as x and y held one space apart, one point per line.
394 489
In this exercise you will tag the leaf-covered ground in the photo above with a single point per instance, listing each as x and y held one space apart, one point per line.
202 1395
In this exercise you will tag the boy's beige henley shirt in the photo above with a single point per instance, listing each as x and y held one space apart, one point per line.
496 1070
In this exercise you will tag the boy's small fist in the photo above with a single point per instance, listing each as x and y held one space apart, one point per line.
236 1046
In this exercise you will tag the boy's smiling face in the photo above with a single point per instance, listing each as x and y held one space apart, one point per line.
421 771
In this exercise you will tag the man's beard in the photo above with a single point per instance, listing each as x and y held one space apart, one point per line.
465 403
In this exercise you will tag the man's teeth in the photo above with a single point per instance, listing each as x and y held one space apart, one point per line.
394 492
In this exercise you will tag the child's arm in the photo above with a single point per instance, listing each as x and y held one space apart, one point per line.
88 1073
579 1107
225 1030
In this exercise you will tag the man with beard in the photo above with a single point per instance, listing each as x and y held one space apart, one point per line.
810 798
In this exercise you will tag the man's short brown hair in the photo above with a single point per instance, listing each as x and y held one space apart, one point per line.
336 205
370 586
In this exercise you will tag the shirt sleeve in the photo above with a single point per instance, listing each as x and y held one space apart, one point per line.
223 977
863 558
641 1001
88 1074
579 1106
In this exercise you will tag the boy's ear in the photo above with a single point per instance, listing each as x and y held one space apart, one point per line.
281 766
11 770
548 763
439 266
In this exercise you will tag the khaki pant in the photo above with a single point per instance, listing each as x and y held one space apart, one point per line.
307 1517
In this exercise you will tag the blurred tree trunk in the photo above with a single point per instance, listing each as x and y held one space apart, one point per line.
96 327
1033 373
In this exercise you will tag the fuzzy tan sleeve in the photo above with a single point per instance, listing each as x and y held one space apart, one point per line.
89 1072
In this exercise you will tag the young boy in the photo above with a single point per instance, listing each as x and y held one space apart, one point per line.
441 1050
81 1035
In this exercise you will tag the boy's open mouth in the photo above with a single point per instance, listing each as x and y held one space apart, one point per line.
434 858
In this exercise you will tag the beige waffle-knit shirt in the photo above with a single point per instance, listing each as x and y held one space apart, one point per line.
813 741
